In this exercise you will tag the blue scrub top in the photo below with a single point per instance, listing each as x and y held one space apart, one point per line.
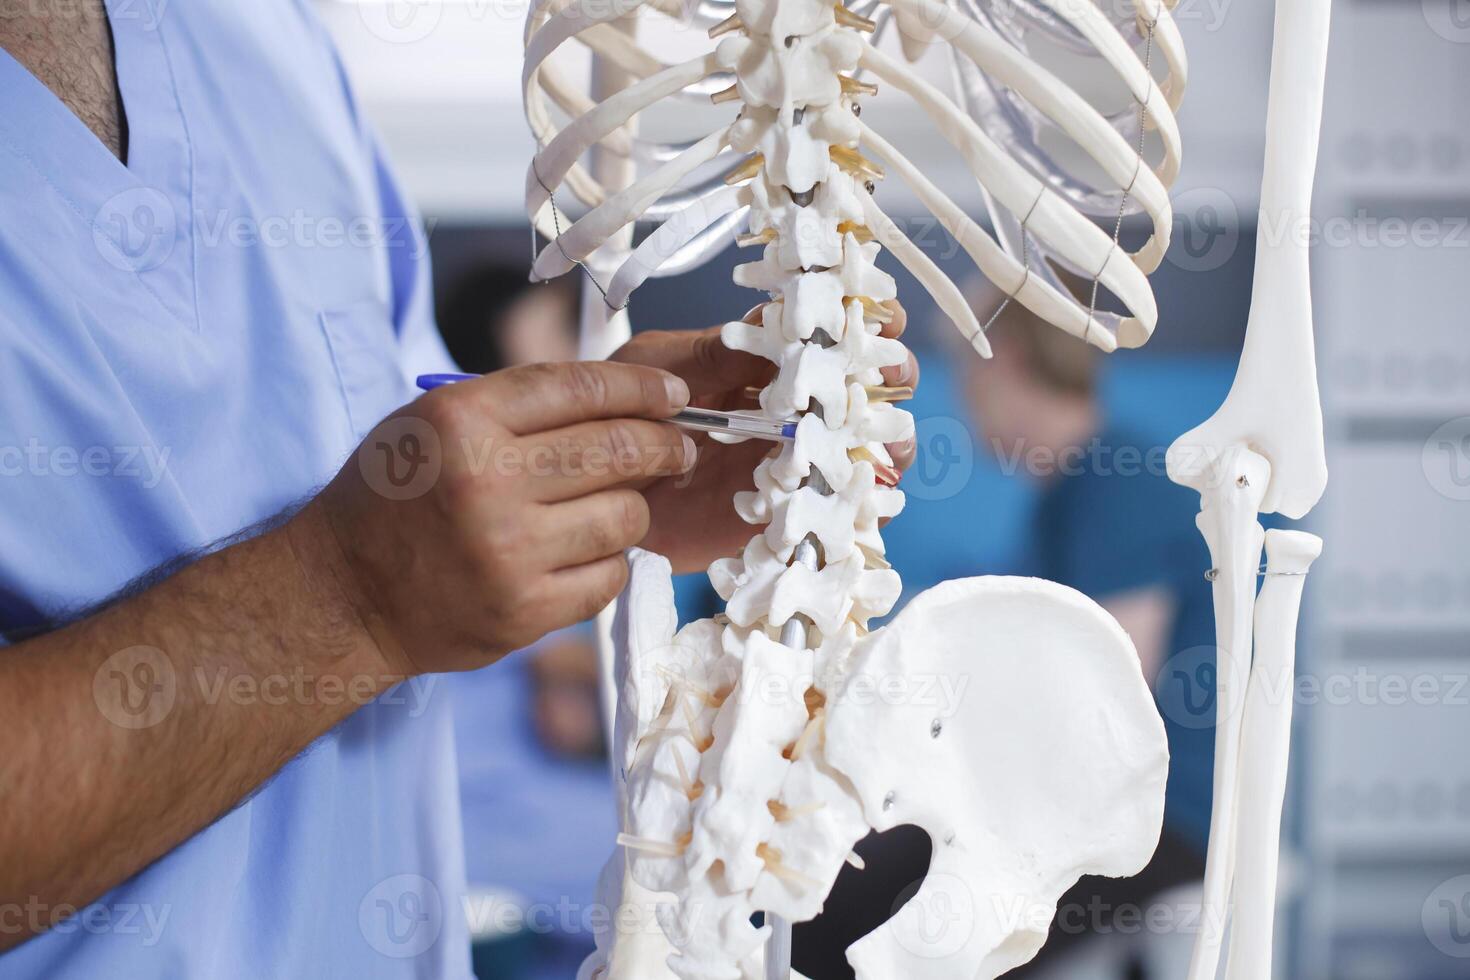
189 344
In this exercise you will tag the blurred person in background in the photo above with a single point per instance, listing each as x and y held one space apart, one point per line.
534 789
1109 523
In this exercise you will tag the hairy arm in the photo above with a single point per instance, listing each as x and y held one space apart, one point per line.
136 727
127 732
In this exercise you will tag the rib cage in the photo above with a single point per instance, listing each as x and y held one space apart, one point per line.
1039 211
731 804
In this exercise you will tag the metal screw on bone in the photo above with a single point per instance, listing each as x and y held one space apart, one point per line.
1242 482
1212 574
888 800
935 727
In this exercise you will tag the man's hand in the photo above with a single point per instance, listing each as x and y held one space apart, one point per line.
515 521
693 516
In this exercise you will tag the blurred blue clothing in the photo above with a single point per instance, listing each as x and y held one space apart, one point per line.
962 514
538 826
1115 524
192 342
537 823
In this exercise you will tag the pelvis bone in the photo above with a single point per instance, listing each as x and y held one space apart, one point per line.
1007 717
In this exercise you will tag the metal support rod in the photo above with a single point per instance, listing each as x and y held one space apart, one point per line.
794 635
778 948
600 332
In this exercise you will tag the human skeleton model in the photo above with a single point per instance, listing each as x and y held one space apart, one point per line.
753 750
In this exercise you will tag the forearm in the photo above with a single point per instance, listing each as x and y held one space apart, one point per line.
131 730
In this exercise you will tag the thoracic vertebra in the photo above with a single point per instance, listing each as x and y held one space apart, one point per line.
721 812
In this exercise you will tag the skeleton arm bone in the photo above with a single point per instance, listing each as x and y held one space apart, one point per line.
1228 524
1272 417
1265 746
1273 405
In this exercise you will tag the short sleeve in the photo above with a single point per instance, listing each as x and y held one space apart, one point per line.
1117 527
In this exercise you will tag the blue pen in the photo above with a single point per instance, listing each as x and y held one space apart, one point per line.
703 419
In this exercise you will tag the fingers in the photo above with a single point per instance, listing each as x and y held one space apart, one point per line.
583 591
905 375
894 328
700 357
591 456
903 453
540 397
590 528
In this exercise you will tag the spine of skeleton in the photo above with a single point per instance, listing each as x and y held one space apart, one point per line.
819 556
734 811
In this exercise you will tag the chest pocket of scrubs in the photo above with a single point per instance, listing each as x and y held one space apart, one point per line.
368 362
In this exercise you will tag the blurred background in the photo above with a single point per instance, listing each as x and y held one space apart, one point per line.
1376 877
